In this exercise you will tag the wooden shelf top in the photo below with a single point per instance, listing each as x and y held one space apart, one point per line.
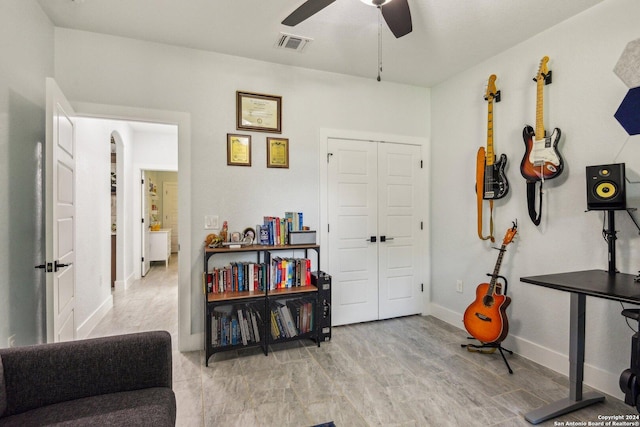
254 248
232 296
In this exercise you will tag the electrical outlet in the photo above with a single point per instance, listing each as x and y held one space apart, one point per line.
12 341
459 287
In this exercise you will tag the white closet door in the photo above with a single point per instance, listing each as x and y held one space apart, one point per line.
353 205
399 199
375 195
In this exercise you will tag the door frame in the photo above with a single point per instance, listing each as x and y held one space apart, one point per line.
187 339
323 214
165 205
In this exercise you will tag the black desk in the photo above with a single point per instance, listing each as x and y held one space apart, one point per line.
595 283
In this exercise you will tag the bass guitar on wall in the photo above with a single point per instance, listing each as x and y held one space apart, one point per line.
495 184
485 318
491 181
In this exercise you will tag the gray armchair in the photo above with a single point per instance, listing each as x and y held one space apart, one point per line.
118 380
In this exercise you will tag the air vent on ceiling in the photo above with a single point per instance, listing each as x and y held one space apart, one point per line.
291 42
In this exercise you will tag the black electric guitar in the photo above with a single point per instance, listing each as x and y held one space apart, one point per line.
485 318
495 184
541 160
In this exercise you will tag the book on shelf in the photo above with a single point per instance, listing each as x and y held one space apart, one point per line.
291 317
274 230
289 272
237 277
233 325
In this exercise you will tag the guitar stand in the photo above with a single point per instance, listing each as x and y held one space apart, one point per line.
490 348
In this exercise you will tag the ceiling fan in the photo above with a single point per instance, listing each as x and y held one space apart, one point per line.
395 13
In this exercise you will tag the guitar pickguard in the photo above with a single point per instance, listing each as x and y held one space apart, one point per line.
496 185
541 159
544 151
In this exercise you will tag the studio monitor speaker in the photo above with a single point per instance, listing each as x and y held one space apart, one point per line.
606 187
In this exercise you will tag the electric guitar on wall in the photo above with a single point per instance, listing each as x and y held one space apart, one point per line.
485 319
541 160
495 184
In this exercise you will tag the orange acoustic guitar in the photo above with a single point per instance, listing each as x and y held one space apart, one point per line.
485 319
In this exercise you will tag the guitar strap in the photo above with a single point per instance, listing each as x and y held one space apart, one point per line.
480 159
531 201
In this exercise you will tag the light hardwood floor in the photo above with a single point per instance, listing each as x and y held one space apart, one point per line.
402 372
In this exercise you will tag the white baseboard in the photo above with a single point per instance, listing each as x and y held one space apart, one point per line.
92 321
594 377
126 283
190 342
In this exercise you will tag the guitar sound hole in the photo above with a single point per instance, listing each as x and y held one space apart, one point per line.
487 300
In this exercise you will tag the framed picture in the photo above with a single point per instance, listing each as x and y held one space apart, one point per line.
258 112
238 150
277 153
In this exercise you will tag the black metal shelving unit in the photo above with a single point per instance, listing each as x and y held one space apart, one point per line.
261 301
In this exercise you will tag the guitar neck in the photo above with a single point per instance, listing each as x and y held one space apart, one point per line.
490 156
496 270
540 107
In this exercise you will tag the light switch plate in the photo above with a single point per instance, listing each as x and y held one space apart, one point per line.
211 222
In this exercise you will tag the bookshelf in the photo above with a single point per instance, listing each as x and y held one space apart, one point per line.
244 307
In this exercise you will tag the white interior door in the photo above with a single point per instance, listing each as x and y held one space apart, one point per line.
145 223
170 211
374 192
399 225
353 204
61 215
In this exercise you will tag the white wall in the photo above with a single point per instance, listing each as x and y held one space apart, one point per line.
26 49
94 68
581 101
93 223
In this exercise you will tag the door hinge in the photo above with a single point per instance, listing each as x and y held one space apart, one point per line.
421 287
329 156
420 164
327 228
421 225
142 220
142 181
142 259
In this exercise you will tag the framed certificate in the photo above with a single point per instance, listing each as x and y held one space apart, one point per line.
238 150
277 153
258 112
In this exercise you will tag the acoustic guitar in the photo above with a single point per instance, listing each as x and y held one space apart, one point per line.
495 184
485 319
541 160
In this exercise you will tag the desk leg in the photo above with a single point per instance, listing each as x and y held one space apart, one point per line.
576 398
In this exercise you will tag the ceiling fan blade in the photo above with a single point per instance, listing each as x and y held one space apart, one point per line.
306 10
397 15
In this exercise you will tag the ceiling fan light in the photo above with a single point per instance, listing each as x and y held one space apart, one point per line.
375 3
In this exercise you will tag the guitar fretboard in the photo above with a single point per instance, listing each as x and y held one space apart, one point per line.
490 155
540 98
496 270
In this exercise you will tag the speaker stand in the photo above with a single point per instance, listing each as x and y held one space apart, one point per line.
610 236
